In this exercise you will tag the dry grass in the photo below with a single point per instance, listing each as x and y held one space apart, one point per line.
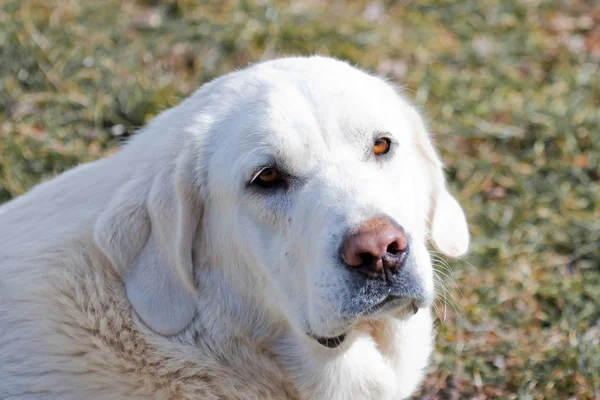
512 90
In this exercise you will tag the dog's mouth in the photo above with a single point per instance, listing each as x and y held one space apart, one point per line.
331 342
388 303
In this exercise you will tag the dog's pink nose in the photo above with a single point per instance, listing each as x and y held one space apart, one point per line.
378 245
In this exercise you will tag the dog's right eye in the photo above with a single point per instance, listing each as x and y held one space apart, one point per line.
269 177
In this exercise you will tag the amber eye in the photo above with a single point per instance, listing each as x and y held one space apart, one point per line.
381 146
268 177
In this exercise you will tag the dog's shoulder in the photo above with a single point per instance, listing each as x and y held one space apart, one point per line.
72 327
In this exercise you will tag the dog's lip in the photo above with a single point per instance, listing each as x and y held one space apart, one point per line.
393 302
330 342
335 341
383 303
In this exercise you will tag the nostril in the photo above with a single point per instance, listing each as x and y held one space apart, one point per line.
397 246
394 248
370 265
366 259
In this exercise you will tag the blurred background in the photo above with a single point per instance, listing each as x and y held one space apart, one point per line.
511 89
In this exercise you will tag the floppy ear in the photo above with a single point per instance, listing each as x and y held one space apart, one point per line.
147 232
447 222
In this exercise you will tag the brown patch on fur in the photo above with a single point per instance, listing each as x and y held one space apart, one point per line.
380 333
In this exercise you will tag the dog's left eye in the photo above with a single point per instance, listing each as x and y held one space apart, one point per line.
381 146
268 178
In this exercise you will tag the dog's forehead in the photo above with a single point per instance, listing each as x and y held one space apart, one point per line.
317 105
300 114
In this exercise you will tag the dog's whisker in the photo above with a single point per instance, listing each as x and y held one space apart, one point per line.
446 292
451 279
461 259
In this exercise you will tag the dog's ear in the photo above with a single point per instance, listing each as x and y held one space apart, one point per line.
447 223
147 232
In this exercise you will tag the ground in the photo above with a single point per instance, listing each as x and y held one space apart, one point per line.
512 92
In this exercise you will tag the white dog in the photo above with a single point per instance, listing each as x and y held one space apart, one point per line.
264 239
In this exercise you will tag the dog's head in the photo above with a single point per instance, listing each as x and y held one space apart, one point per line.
311 176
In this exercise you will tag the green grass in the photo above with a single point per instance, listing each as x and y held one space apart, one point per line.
512 92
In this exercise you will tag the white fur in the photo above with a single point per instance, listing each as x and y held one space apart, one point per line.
160 273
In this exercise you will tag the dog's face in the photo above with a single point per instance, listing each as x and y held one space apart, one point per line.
315 178
322 181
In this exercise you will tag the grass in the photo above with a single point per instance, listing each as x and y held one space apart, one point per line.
512 93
